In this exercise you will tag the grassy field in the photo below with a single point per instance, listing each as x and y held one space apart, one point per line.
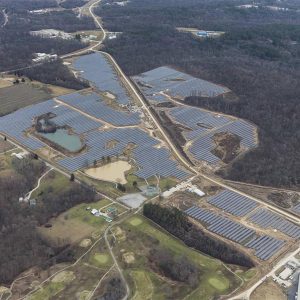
143 285
141 236
20 95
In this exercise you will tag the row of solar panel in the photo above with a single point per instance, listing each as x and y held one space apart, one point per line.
233 203
265 246
94 106
96 68
176 84
267 219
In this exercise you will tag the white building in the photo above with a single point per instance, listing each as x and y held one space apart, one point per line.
286 273
43 57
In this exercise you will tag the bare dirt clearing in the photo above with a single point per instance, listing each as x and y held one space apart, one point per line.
268 291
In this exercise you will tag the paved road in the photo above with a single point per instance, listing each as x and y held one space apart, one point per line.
246 294
98 24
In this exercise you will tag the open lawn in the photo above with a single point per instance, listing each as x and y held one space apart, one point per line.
20 95
54 181
142 236
50 290
143 285
75 224
100 260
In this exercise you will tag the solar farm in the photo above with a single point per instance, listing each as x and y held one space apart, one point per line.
175 84
204 125
200 126
96 139
265 246
94 105
232 216
97 69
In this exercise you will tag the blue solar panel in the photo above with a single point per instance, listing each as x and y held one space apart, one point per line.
96 68
95 106
265 246
176 84
233 203
268 219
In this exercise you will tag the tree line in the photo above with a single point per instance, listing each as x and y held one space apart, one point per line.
175 222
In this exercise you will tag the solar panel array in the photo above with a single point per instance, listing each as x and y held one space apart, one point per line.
96 140
233 203
204 125
95 106
191 117
268 219
265 246
296 208
221 225
97 69
150 161
176 84
16 123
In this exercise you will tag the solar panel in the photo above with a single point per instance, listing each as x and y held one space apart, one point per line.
265 246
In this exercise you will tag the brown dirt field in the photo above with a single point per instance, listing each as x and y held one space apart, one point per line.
58 90
5 146
66 231
5 83
269 290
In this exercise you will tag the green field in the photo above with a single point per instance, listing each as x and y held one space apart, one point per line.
143 285
141 236
54 181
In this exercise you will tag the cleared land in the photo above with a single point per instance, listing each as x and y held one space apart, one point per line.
5 146
268 291
20 95
114 171
5 83
139 237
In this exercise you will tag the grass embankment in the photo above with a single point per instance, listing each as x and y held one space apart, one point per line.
141 236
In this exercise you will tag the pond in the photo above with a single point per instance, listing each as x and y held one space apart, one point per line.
113 172
62 138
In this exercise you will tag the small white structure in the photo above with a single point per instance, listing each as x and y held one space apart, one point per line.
21 199
52 34
286 273
94 211
20 155
42 57
196 191
292 265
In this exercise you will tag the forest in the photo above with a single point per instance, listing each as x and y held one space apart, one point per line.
21 247
258 58
175 222
54 73
17 45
